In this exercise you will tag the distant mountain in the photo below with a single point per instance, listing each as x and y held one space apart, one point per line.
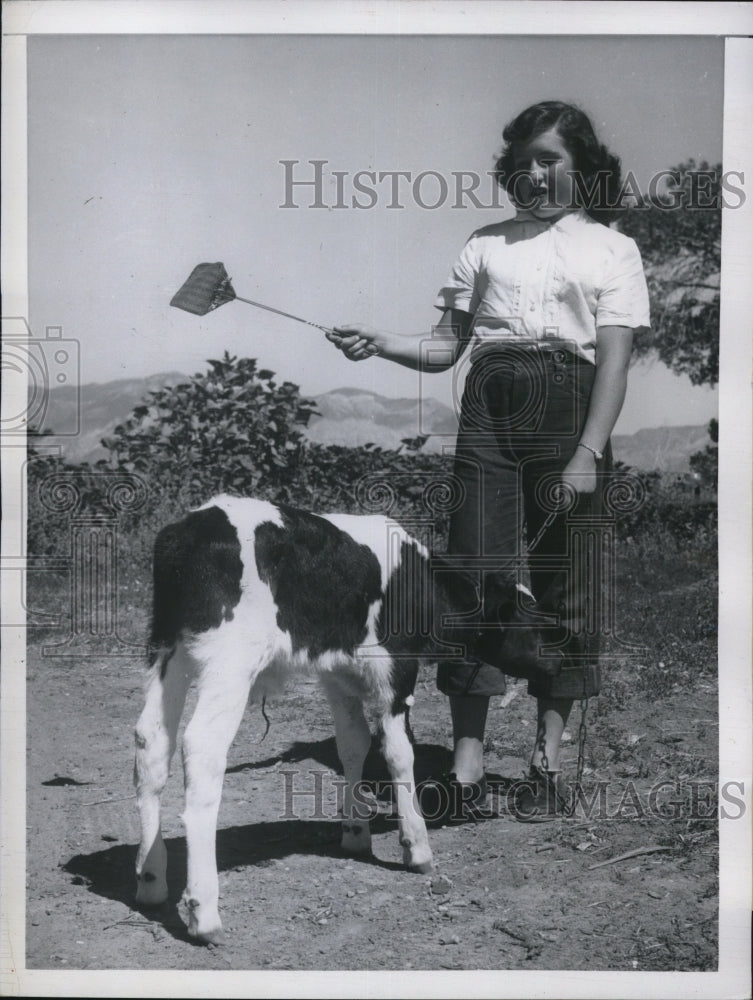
103 405
355 417
664 448
347 416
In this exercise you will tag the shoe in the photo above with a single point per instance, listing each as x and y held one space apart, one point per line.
541 798
447 800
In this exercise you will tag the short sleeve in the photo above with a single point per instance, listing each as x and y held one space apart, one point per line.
461 288
623 298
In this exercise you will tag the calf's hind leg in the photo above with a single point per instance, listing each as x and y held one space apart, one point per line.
353 738
156 733
223 686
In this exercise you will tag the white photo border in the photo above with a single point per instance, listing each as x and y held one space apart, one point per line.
732 20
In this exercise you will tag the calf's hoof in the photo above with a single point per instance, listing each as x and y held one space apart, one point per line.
417 857
362 851
356 840
150 889
213 939
208 931
422 868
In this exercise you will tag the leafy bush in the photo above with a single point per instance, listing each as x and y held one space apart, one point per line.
234 429
673 508
230 429
705 464
404 484
679 236
47 532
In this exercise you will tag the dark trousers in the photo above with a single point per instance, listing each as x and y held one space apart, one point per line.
522 414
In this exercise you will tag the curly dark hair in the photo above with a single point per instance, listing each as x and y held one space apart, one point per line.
591 159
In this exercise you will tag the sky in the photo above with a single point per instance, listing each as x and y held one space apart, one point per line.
151 154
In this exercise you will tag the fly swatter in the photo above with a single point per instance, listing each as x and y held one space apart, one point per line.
208 286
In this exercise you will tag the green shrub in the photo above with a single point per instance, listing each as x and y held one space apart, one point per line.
672 508
231 429
235 429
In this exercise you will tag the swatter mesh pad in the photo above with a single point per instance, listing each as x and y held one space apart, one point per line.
208 286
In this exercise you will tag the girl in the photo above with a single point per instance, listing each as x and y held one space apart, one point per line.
548 303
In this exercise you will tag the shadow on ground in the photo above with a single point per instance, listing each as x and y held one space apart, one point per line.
110 873
431 759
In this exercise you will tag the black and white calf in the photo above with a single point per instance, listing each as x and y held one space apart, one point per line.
244 590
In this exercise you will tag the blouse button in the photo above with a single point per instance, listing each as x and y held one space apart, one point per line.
532 307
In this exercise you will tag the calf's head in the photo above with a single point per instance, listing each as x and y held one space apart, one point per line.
495 620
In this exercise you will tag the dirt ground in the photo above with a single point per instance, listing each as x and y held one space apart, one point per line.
504 895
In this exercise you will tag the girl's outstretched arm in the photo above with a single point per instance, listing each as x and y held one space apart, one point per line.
435 352
613 347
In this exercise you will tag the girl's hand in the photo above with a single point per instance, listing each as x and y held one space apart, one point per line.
358 342
580 471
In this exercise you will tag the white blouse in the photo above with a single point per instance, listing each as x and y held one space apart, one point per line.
536 280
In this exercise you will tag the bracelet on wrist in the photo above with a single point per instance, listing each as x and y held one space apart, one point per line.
594 451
